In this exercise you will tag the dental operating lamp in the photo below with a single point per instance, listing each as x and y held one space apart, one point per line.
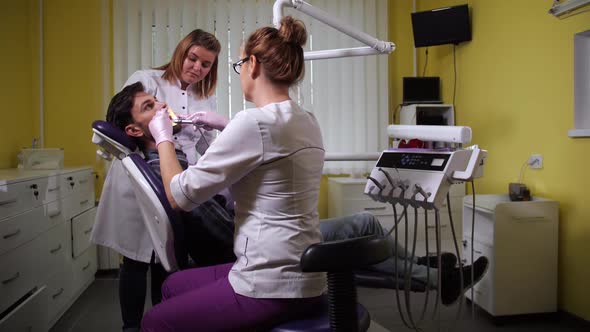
565 7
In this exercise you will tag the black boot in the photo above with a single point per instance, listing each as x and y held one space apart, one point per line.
448 260
451 280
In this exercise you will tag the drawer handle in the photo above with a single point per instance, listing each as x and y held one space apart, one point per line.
8 201
4 282
477 252
88 230
53 251
83 181
84 202
55 214
533 218
434 226
59 292
86 267
376 208
53 189
8 236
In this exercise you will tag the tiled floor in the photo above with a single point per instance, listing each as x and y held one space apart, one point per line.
97 309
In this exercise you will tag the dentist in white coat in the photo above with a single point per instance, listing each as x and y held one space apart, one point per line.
187 84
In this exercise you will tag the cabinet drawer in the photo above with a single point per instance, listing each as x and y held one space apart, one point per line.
22 228
18 274
18 197
59 292
77 182
484 224
83 268
74 205
479 249
53 250
29 316
81 230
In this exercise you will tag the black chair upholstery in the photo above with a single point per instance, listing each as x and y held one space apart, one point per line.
339 259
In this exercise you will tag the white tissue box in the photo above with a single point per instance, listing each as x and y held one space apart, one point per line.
52 158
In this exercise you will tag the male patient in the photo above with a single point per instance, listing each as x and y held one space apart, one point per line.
135 123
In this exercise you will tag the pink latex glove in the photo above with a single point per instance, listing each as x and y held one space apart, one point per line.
161 127
209 120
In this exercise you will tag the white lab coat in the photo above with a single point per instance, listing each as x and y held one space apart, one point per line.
118 224
272 159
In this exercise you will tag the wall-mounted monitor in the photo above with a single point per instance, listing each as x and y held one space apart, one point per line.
448 25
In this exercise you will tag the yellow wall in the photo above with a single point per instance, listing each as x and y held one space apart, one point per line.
73 78
18 88
515 90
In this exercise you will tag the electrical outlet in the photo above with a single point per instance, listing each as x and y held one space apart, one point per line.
536 161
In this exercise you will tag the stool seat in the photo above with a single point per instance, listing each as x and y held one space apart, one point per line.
320 321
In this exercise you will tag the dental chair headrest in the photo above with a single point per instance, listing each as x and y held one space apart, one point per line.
112 139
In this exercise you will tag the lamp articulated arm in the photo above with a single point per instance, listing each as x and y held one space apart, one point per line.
375 46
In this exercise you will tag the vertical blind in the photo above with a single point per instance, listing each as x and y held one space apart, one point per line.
348 96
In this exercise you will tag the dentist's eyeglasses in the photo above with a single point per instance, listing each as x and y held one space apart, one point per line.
238 65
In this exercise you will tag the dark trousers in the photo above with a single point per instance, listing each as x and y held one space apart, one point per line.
205 234
132 289
209 234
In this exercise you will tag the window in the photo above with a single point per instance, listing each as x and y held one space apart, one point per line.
348 96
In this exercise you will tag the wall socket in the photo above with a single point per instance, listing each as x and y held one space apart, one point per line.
536 161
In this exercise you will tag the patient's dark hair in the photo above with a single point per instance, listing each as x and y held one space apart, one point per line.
119 111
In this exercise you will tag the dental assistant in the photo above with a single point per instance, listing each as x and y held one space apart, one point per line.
271 157
187 84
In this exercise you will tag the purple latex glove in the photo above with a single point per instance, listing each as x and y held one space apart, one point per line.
161 127
209 120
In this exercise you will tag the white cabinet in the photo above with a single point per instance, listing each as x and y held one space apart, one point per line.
45 253
346 197
520 241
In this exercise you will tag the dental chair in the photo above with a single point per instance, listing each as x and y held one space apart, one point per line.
342 260
160 219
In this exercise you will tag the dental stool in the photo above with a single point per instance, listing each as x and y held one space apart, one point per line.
339 259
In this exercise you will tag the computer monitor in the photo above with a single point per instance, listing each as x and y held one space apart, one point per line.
449 25
421 90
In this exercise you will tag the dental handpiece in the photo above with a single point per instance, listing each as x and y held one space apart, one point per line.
182 121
